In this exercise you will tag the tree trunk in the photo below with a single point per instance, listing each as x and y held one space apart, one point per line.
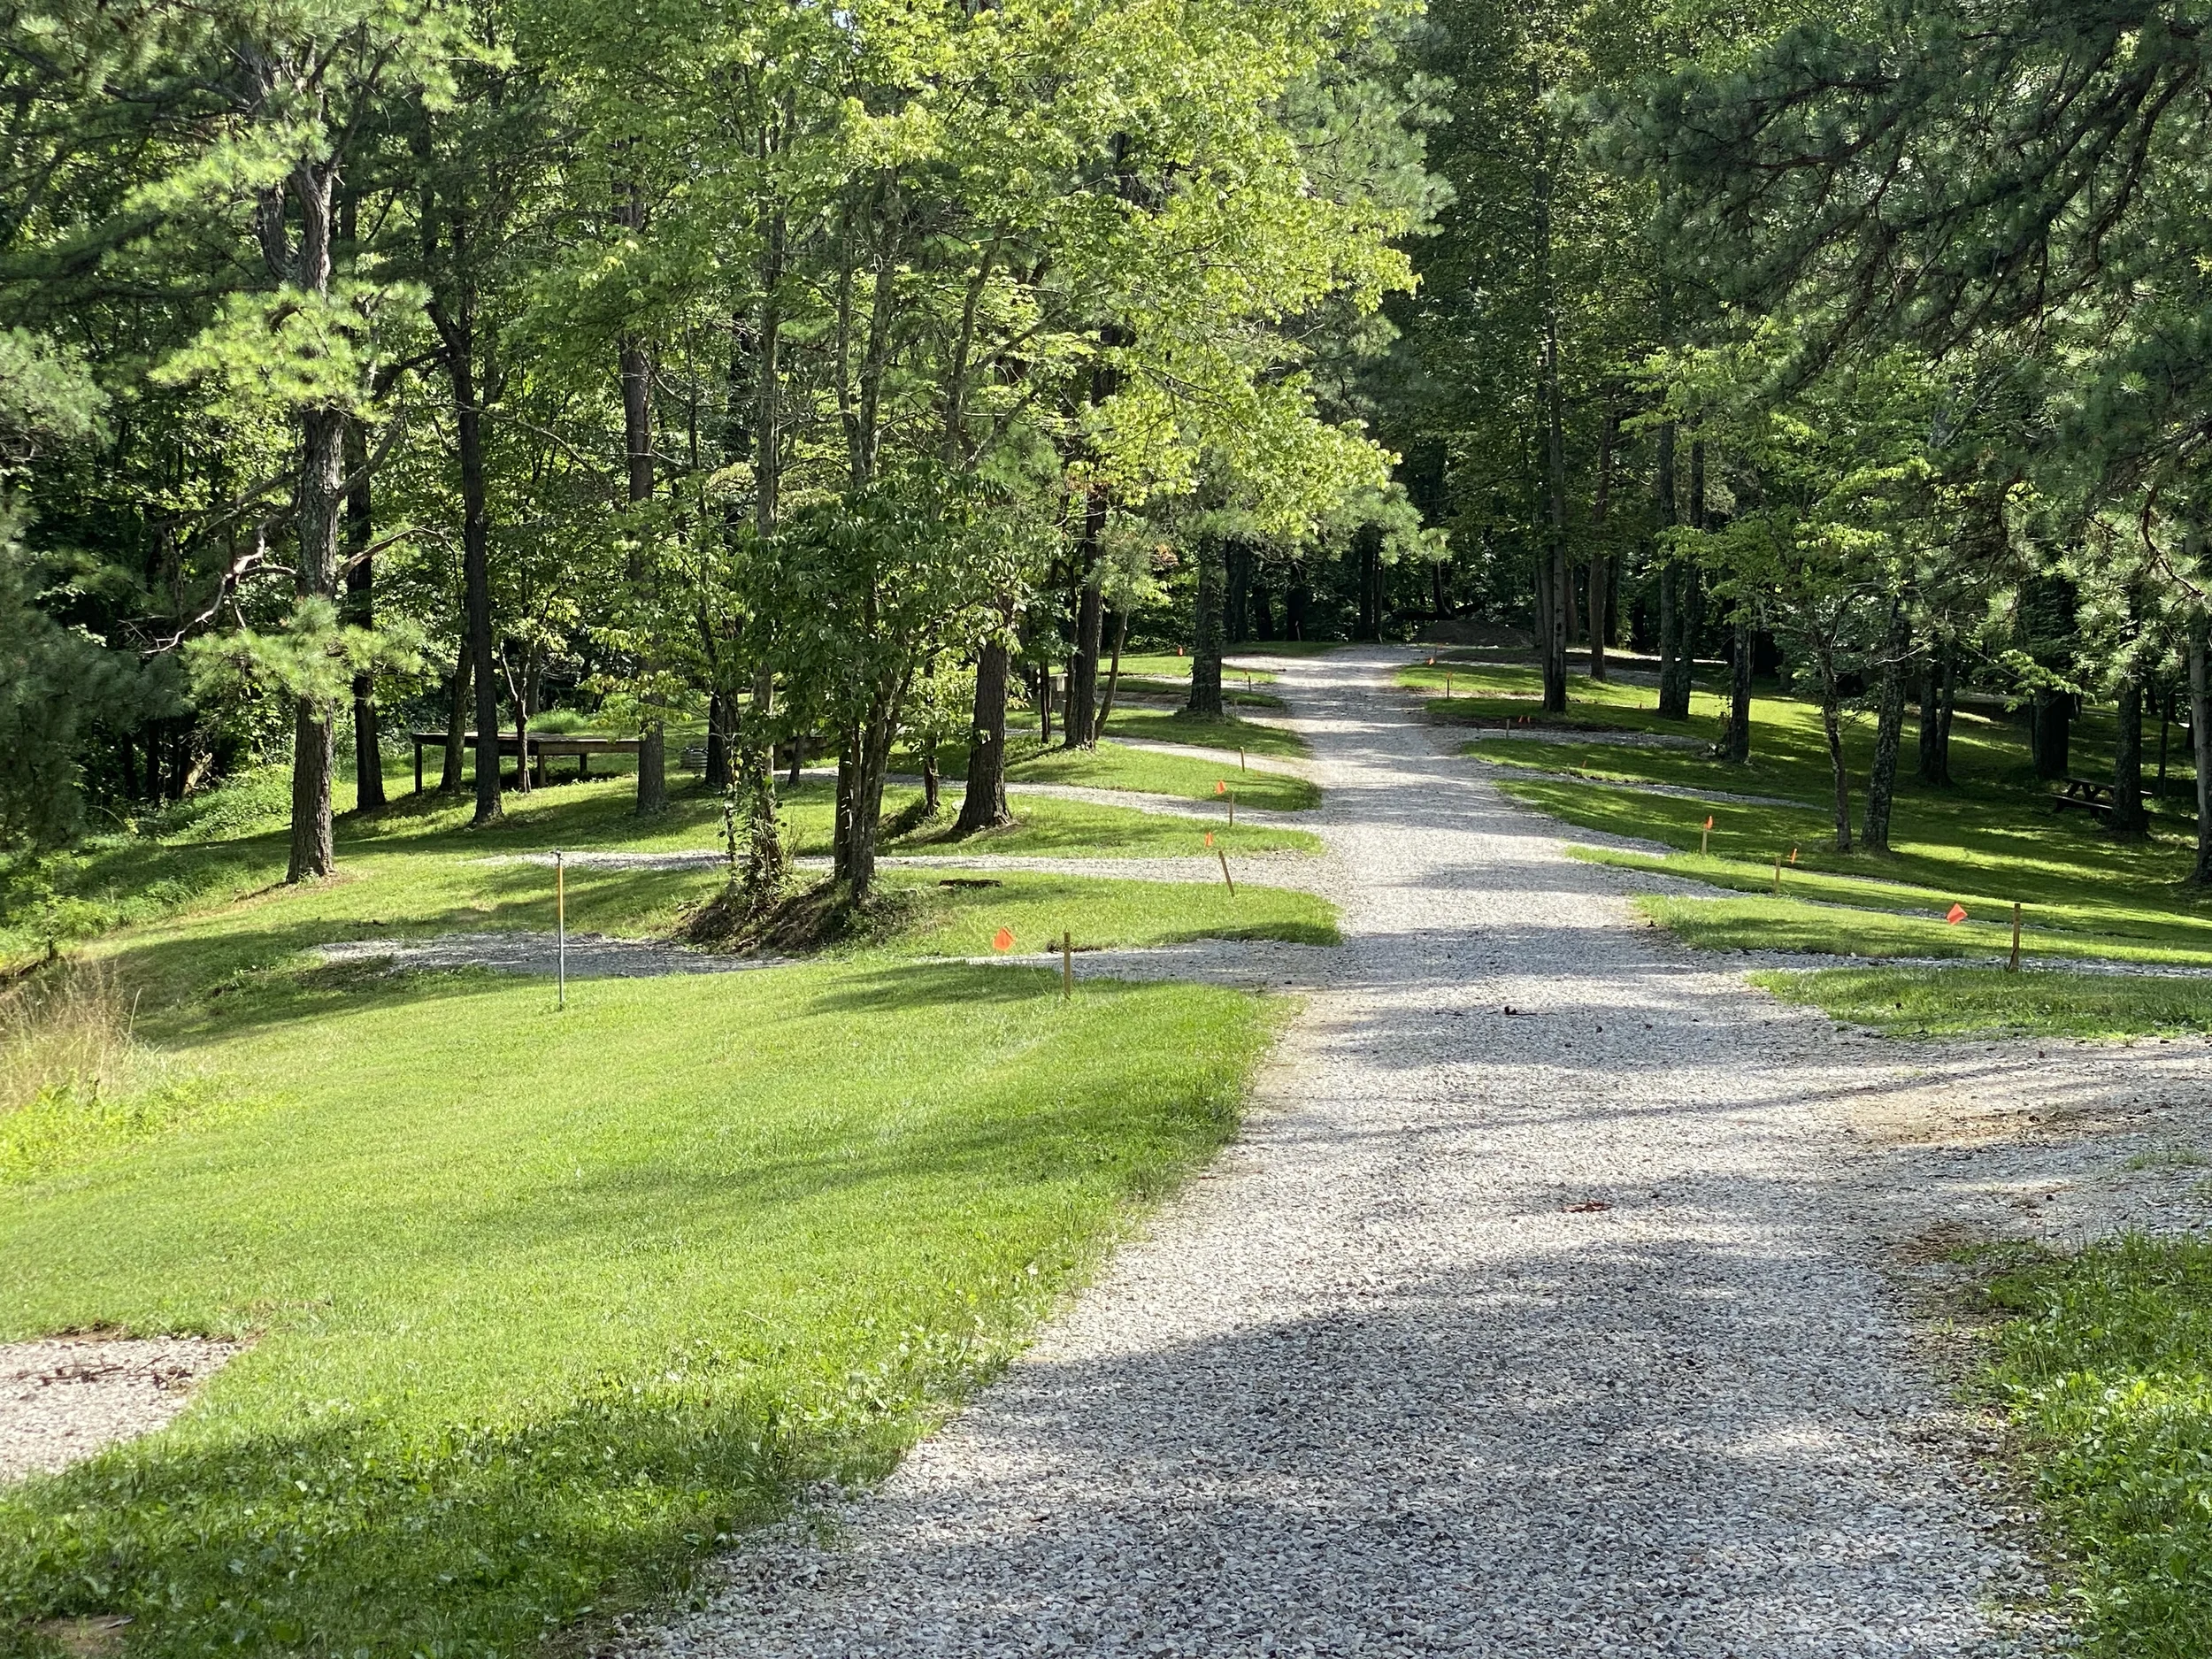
518 694
637 432
2051 731
314 755
1679 665
865 818
476 577
1663 487
1601 561
1205 664
1113 674
929 781
1557 587
314 187
841 820
1737 750
1831 724
635 367
1935 732
2200 739
717 769
983 800
1089 628
1370 586
1889 732
368 752
2165 728
2128 817
456 719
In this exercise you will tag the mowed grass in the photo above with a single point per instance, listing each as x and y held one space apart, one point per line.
1956 1002
1174 726
1985 843
121 882
1113 765
546 1307
2100 1364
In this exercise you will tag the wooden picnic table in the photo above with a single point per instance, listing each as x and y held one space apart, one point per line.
2091 795
582 746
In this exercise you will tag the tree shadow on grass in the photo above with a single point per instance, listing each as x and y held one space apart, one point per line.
351 1532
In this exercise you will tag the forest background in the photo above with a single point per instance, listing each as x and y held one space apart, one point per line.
787 375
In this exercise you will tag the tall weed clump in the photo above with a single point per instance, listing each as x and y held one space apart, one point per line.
73 1078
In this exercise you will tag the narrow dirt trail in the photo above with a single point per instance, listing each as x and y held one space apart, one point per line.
1533 1316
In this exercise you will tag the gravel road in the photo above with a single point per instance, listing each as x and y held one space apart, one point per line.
1535 1315
64 1398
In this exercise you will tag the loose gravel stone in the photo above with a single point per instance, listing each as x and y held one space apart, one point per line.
63 1398
1533 1316
590 955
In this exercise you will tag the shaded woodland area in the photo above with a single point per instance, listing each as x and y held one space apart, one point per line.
766 382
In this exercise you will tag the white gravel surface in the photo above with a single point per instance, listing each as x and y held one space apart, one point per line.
590 955
1535 1314
65 1398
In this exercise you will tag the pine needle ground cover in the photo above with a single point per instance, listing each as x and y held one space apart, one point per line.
2099 1364
1989 840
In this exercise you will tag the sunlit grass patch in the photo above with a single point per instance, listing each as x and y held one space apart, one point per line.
2104 1365
2038 1002
549 1307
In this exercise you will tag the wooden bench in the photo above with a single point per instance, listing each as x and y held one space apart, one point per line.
2090 795
551 743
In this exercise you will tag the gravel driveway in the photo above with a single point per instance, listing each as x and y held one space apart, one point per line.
1535 1315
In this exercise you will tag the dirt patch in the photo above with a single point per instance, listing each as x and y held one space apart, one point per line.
63 1398
1971 1146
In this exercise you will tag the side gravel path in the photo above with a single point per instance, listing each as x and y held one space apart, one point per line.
1542 1333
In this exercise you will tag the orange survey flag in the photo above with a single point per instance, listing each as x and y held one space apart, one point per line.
1210 838
1709 820
1957 914
1220 788
1793 854
1002 940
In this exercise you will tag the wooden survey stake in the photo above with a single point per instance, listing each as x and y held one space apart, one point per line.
2013 966
1067 967
1224 856
560 927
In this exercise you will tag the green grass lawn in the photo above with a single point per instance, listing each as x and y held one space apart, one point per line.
404 893
545 1307
1258 649
2101 1364
1164 725
1167 666
1113 765
1955 1001
1987 843
235 844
